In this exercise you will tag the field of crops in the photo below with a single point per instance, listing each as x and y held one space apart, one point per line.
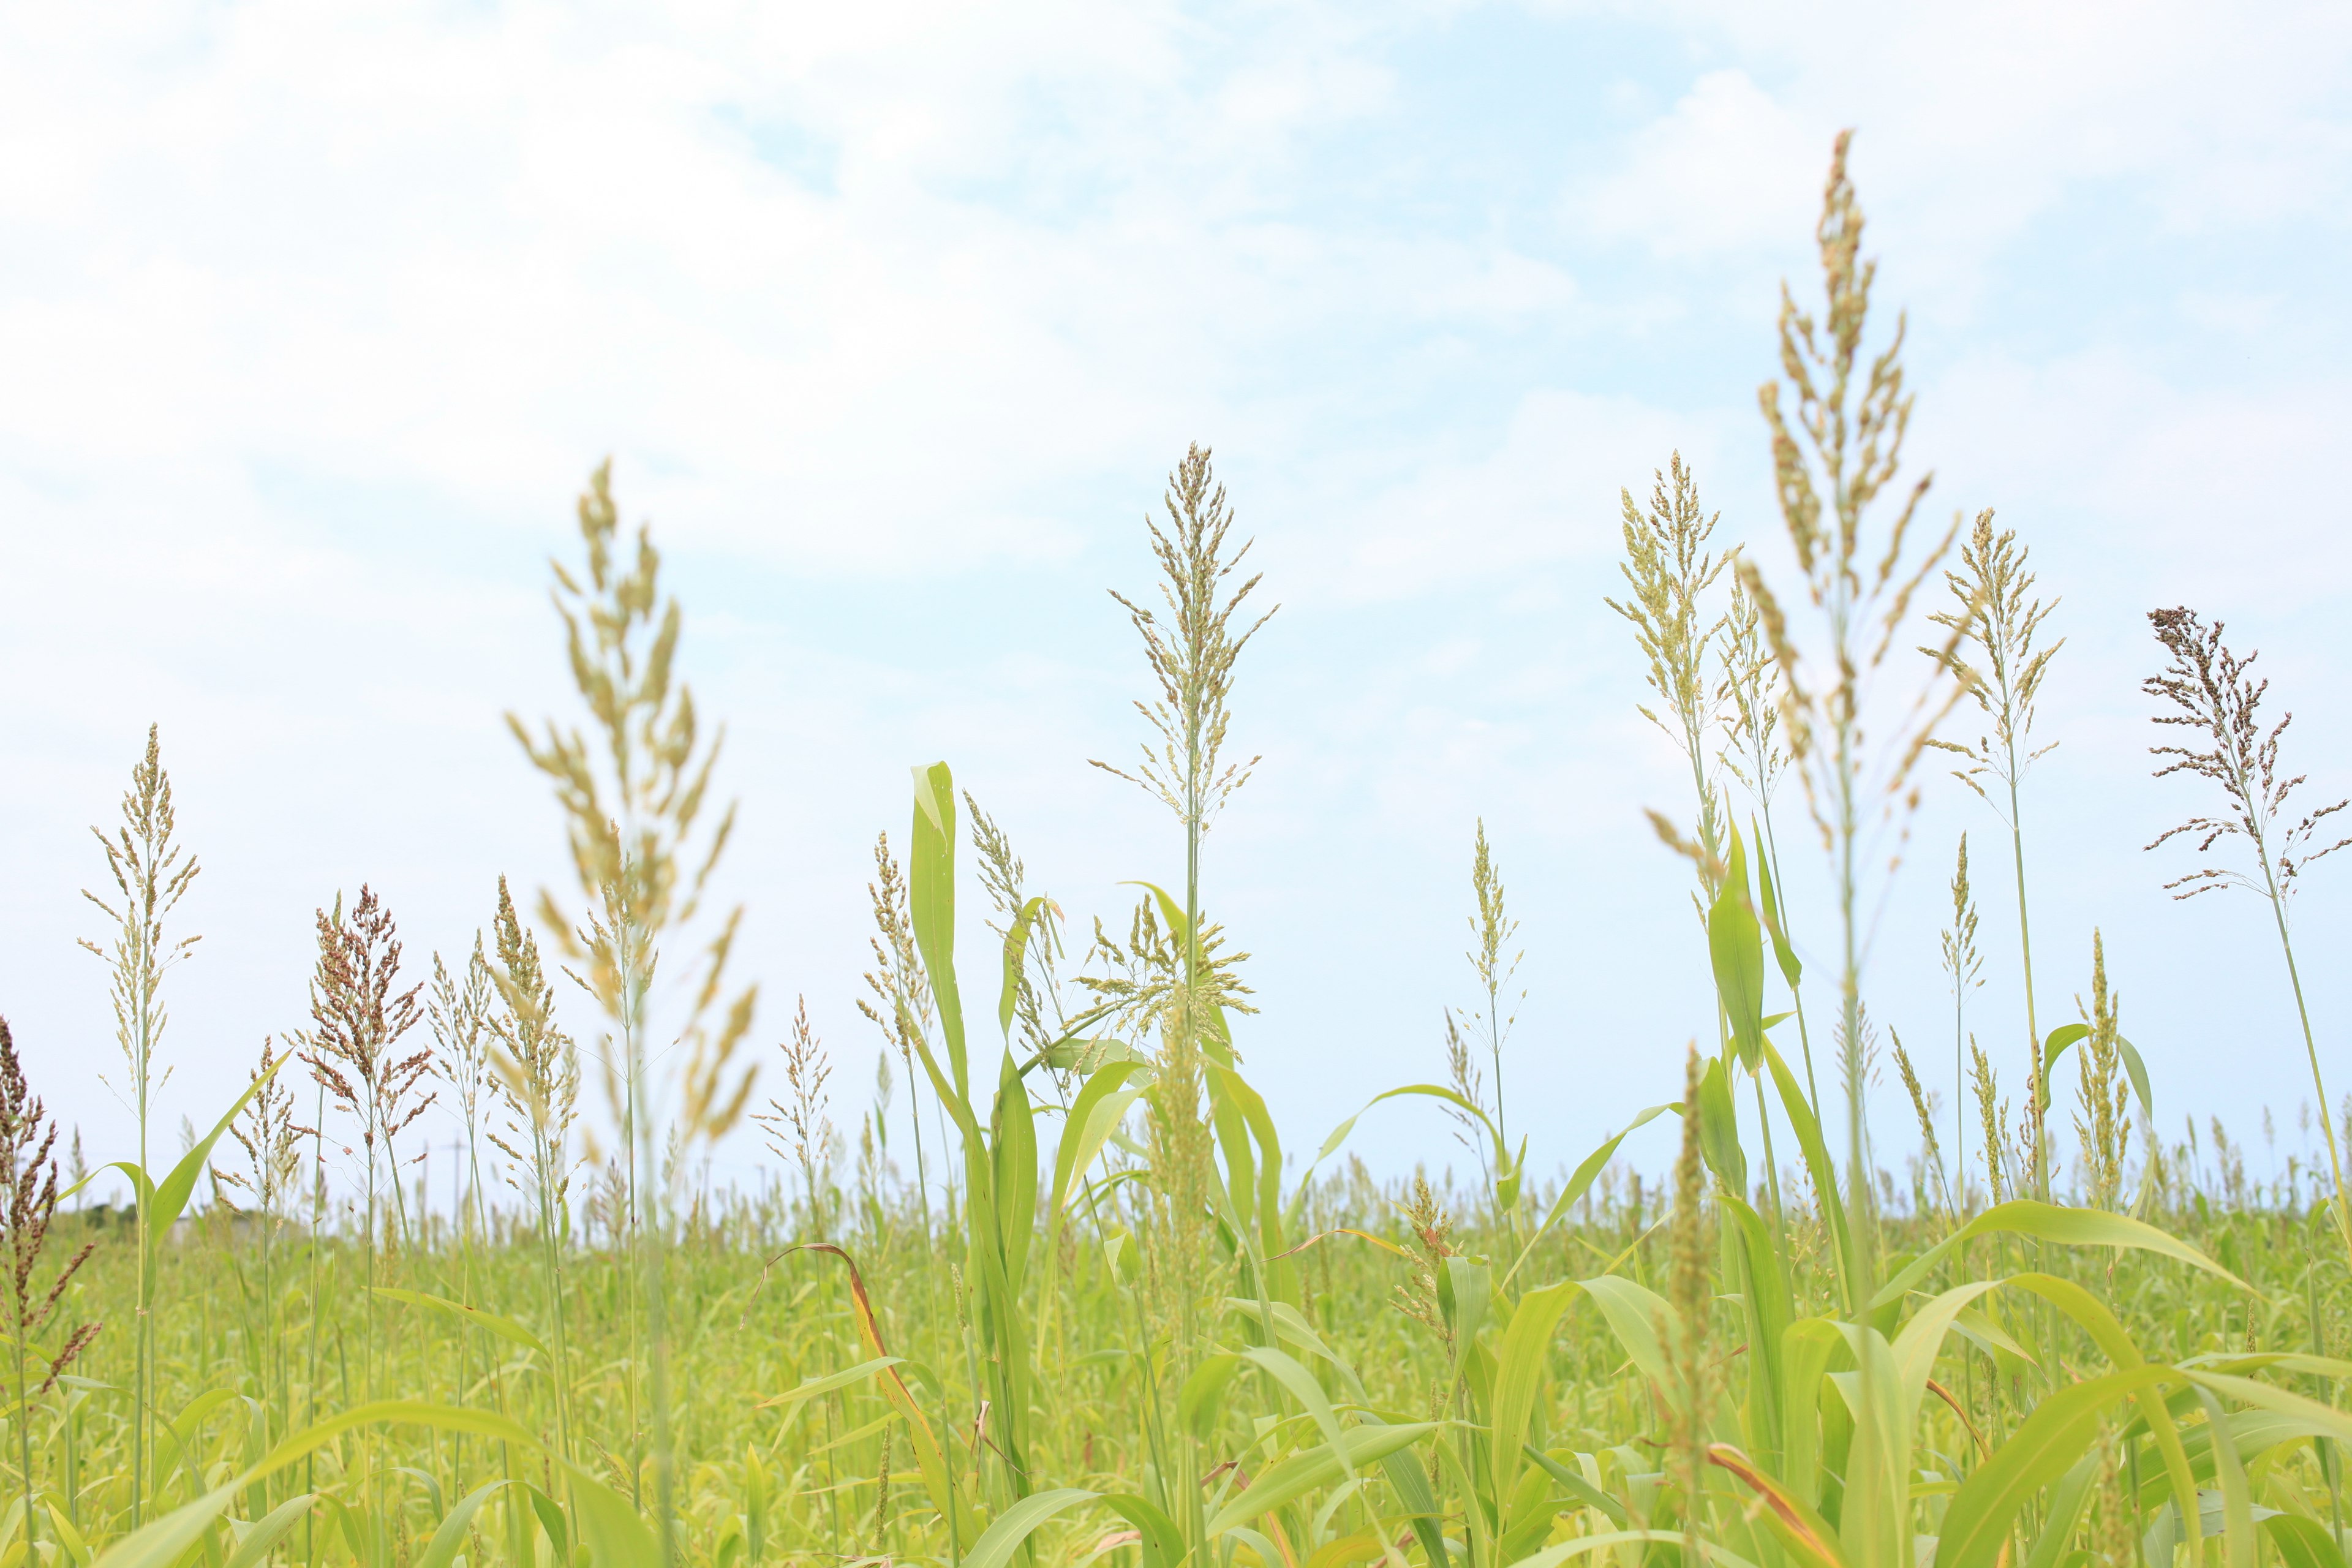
1086 1301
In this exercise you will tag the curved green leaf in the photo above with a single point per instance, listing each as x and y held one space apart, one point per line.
1302 1473
1782 954
931 893
1518 1376
1016 952
1579 1182
488 1322
1162 1544
1300 1385
172 1197
443 1548
1567 1550
2302 1543
1005 1533
1735 945
814 1387
2037 1456
1633 1312
2052 1222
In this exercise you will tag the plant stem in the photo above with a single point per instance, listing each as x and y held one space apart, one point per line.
2311 1048
2033 1025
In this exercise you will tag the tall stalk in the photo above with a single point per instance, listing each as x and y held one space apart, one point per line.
1193 653
150 874
1191 644
358 1019
2212 695
633 785
272 1146
1668 568
1750 696
539 1073
1834 452
1966 967
1994 619
460 1013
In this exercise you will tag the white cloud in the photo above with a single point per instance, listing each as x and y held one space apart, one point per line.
1546 493
1724 169
469 256
315 316
1975 120
2218 494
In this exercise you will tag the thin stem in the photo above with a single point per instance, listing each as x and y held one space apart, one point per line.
2311 1048
2033 1025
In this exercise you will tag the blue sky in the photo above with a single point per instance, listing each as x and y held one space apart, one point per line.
893 318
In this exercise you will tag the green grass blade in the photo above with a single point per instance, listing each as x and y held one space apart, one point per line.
1005 1533
1300 1385
488 1322
1520 1376
2052 1222
815 1386
2036 1457
451 1535
1302 1473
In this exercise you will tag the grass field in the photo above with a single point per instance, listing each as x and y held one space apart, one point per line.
1086 1300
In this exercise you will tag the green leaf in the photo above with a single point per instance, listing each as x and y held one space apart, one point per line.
2066 1034
1162 1545
930 888
2054 1046
2321 1418
1016 952
161 1542
1410 1484
1464 1291
1806 1347
1735 945
1820 1166
2037 1456
1921 1338
488 1322
1633 1312
2138 1070
1102 1103
2239 1545
443 1548
609 1527
815 1386
2051 1222
1579 1182
1232 1093
1768 1304
1718 1127
1566 1550
172 1197
1203 1394
1577 1486
1782 954
1005 1533
2302 1543
551 1521
1300 1385
2064 1508
1520 1376
1013 1150
1303 1472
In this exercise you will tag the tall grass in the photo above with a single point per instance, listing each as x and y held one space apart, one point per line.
1105 1317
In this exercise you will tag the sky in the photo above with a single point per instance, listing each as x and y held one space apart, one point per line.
892 319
